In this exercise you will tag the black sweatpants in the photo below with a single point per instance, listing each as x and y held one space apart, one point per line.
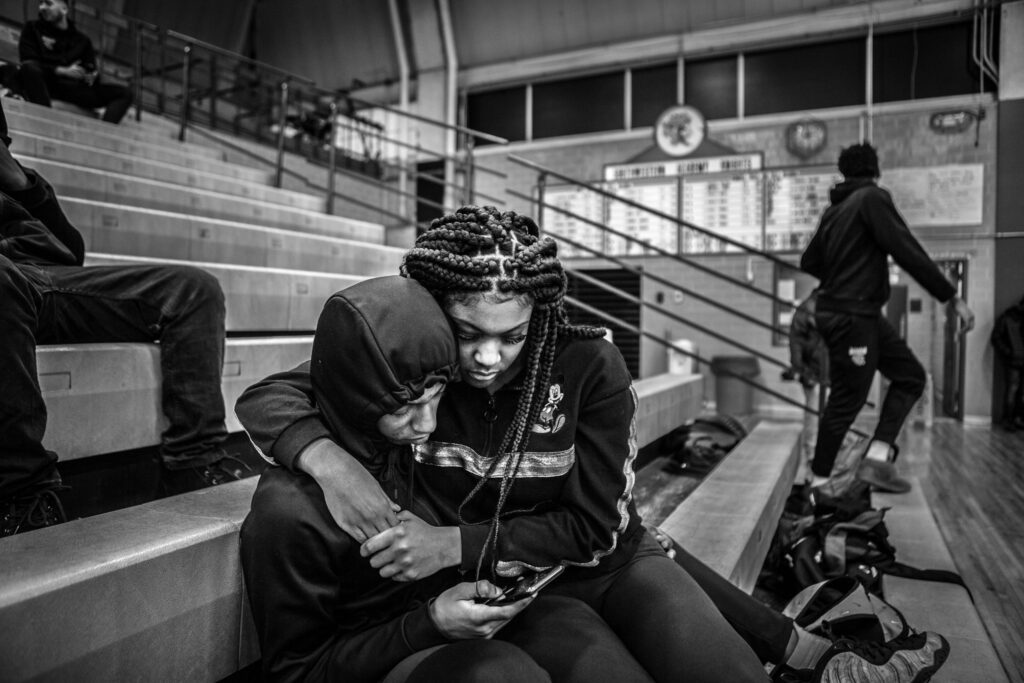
39 85
858 345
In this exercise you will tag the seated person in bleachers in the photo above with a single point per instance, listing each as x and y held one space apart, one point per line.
58 61
48 297
322 610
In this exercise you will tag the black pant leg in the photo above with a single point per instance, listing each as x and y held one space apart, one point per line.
585 650
116 99
34 83
765 630
23 460
1013 395
180 307
852 342
907 379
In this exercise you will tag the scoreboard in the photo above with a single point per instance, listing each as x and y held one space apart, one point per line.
733 197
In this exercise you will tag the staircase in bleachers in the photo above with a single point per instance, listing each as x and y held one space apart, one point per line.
140 196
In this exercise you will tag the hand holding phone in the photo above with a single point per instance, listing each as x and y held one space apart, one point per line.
525 587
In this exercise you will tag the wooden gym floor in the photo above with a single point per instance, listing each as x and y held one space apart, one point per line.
973 478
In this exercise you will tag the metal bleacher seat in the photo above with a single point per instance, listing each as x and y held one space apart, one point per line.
120 188
48 123
119 229
104 398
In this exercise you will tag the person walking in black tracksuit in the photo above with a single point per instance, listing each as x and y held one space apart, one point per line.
849 255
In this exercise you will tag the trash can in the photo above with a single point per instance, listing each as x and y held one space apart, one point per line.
733 396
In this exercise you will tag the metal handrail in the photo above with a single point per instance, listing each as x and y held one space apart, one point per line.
496 139
146 34
196 42
692 354
622 294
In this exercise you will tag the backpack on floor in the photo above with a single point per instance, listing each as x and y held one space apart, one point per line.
838 537
696 448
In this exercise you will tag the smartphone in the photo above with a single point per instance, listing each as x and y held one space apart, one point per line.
525 587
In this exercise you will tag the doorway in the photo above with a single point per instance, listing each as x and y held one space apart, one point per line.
950 351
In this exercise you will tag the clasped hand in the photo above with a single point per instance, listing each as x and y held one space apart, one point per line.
77 72
412 549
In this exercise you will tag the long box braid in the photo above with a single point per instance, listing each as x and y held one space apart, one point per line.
479 250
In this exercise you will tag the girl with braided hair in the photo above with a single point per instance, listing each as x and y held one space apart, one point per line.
530 463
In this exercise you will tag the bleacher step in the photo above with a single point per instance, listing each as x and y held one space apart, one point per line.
93 158
71 151
728 522
128 128
103 398
113 166
108 137
117 188
153 592
131 231
258 298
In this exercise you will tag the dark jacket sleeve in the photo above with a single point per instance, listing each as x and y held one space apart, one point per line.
280 415
296 563
813 258
29 47
87 53
40 200
594 511
891 233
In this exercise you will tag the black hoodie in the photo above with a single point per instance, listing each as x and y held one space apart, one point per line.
849 251
34 229
321 611
51 46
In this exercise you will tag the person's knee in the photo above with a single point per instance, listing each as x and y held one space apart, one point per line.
495 661
31 68
199 286
913 379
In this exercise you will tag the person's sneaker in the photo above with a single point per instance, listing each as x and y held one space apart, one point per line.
912 659
227 468
35 510
882 476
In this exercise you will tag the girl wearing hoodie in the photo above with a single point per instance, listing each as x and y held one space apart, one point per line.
322 612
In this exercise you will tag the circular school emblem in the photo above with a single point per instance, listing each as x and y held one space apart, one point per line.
806 137
679 130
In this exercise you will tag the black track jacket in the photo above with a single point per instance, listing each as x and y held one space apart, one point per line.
849 251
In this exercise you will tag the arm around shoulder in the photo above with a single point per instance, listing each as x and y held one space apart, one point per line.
280 415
